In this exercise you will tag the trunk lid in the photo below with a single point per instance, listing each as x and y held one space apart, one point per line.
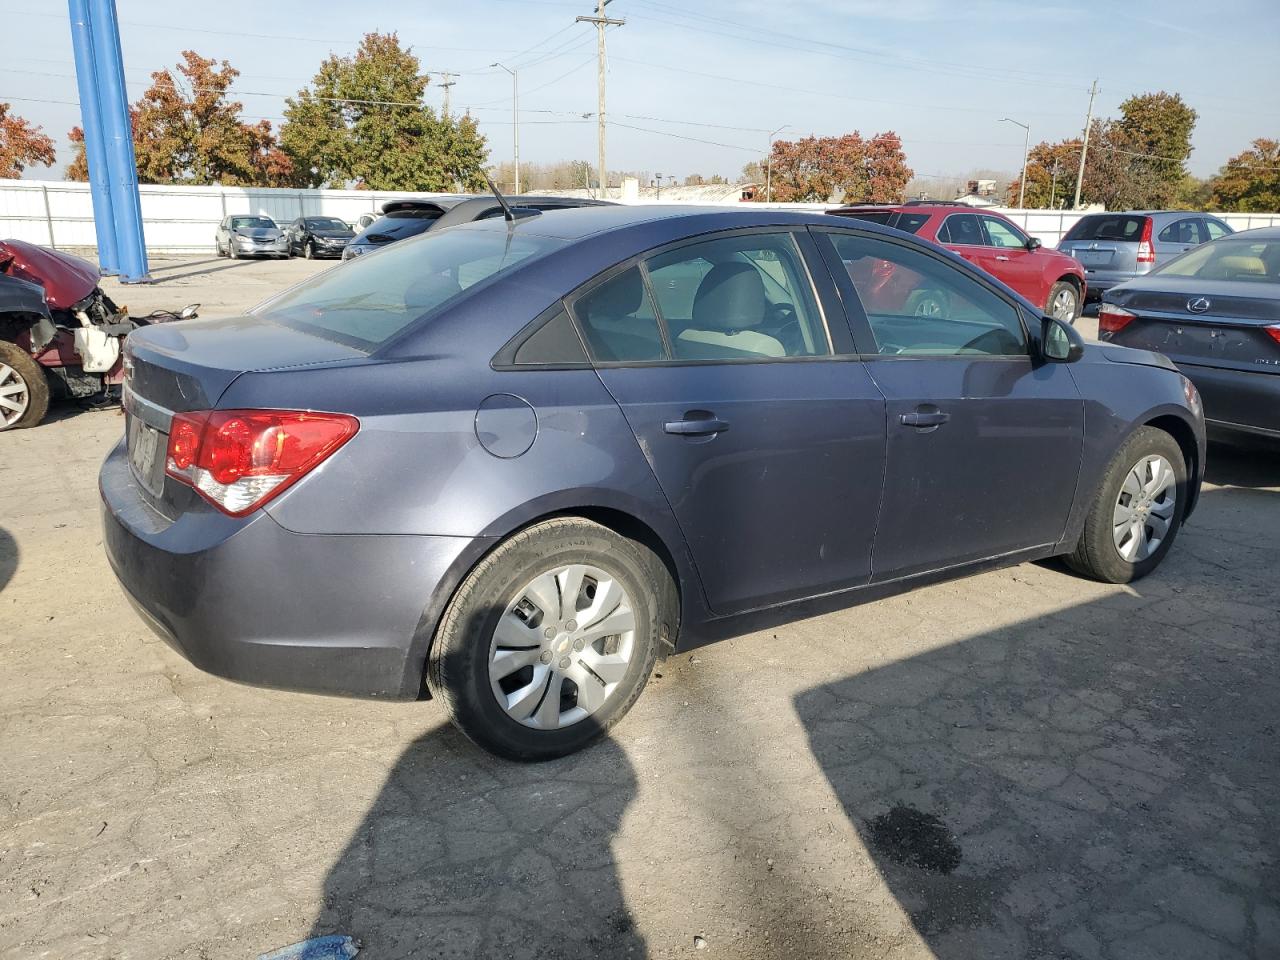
1210 323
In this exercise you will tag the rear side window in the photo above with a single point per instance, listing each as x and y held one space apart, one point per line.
910 222
619 322
367 301
555 342
1186 230
1108 226
962 229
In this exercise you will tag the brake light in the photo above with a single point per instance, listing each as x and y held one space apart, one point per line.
1273 331
1146 252
240 459
1113 319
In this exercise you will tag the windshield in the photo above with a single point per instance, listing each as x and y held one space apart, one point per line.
1108 226
326 223
402 223
369 300
1257 261
238 222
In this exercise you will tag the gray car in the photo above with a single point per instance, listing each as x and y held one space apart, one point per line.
512 463
250 235
1216 313
1115 247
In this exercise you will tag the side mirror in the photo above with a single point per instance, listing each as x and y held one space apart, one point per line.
1033 243
188 311
1060 342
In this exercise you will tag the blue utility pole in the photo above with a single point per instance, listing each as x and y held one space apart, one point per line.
107 77
94 141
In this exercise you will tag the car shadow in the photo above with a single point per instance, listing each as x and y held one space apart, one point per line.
466 855
1096 782
1243 464
8 557
223 265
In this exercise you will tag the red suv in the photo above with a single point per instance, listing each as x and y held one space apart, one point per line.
994 243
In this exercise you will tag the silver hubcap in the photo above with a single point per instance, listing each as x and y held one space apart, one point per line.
14 396
1064 305
562 647
1144 510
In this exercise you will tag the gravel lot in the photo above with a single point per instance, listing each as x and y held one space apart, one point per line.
1019 765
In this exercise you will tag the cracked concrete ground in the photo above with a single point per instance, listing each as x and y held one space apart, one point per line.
1102 759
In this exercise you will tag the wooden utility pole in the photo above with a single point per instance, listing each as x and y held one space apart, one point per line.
1084 147
601 21
445 84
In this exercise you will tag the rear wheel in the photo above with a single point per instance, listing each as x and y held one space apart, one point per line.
1137 510
24 391
550 640
1064 302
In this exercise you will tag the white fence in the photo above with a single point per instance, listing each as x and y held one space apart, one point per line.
182 219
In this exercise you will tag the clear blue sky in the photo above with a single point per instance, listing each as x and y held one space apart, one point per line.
940 72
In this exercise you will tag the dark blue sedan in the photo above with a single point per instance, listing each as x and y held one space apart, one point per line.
511 464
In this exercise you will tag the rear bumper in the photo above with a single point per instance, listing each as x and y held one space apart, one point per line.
1237 400
250 601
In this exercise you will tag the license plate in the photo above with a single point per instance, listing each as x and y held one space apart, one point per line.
144 448
1093 258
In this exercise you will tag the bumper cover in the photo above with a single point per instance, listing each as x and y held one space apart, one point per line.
1237 399
250 601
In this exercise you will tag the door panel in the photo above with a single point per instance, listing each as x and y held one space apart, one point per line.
1008 260
782 504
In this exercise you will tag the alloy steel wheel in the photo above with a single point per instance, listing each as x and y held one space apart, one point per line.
562 647
1063 306
14 395
1145 508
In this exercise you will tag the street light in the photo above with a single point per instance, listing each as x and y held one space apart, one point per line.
515 114
768 172
1026 146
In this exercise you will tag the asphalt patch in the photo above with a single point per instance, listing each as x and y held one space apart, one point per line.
915 838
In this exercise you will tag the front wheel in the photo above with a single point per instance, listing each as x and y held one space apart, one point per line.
1136 512
24 390
551 639
1064 302
309 251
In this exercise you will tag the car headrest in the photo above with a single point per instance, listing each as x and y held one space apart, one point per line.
1241 266
730 297
619 297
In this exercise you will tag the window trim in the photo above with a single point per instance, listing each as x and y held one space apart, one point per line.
861 326
639 260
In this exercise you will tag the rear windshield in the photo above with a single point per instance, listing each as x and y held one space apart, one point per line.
403 223
1108 226
1256 261
910 222
367 301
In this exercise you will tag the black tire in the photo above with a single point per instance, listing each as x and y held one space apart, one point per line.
217 250
33 378
1096 555
458 663
1065 286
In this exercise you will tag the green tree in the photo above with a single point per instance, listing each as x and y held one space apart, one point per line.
363 121
187 131
1155 129
21 144
1250 181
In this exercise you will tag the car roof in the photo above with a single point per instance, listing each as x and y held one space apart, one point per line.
914 206
474 208
591 221
1257 233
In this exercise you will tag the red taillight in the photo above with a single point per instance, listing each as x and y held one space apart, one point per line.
1273 331
1146 252
240 459
1113 319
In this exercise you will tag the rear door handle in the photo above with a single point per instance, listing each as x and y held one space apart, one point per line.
924 420
696 426
1001 257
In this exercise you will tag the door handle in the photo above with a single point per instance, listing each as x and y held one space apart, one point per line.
696 426
1001 256
935 418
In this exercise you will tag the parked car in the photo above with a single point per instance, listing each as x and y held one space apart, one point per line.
408 218
512 463
1116 247
313 237
995 243
250 236
60 335
1215 312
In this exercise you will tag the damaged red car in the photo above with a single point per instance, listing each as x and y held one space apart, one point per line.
60 335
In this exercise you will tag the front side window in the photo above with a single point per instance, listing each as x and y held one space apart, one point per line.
735 298
1001 234
962 229
918 305
1216 229
371 299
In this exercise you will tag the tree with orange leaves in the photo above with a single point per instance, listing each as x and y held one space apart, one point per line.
21 144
